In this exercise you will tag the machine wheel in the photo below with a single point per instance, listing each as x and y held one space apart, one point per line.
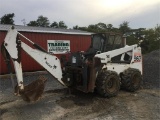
107 83
131 79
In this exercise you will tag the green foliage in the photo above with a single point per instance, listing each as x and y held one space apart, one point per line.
44 22
92 28
153 36
99 27
62 25
110 27
124 27
131 40
54 25
41 22
151 39
33 23
7 19
76 27
83 28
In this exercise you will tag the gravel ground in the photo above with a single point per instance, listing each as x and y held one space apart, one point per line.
57 104
151 75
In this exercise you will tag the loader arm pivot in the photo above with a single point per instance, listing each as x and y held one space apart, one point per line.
13 46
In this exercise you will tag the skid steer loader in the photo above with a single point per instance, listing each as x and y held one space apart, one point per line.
105 66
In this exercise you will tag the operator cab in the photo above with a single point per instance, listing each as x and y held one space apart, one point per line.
104 42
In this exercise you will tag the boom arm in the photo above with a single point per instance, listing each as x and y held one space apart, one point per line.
13 45
106 56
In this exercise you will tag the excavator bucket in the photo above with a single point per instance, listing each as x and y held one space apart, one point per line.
34 90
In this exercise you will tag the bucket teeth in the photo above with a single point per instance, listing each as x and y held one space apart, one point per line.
34 90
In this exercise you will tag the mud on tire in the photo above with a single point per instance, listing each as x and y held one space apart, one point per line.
107 83
131 79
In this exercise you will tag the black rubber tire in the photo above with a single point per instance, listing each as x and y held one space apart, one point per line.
131 79
107 83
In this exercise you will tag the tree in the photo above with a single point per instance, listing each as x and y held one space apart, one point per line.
32 23
62 25
157 31
153 36
124 27
83 28
109 27
54 25
7 19
41 22
101 26
76 27
91 28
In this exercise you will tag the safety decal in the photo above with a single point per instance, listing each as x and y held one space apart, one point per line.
137 57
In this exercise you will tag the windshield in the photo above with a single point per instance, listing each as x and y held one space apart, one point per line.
97 42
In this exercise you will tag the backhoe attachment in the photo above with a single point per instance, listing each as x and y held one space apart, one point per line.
11 49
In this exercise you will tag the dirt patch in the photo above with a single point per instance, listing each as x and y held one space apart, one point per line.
124 106
2 111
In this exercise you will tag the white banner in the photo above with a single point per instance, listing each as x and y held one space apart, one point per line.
58 46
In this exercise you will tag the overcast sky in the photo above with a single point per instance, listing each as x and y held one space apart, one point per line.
139 13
